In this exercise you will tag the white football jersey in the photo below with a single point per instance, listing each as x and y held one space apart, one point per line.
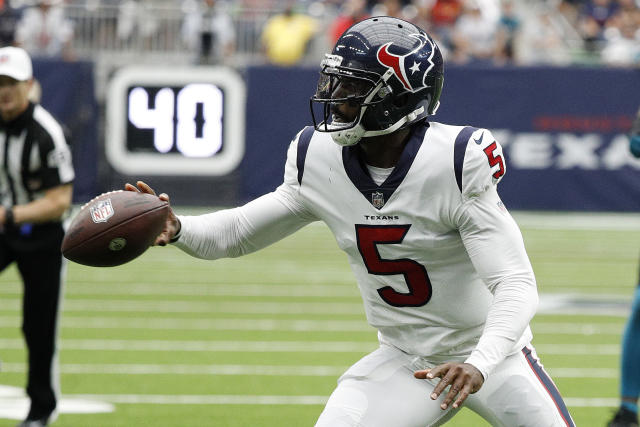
403 238
439 261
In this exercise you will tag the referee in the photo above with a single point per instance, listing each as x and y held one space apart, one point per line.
35 189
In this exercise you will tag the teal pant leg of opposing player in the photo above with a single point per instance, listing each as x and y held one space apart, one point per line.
634 145
630 381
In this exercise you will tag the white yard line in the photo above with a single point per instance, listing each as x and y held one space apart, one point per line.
226 399
257 370
220 399
285 325
197 346
14 404
577 221
583 372
605 305
278 346
159 306
578 349
182 289
569 328
592 402
205 324
549 304
207 307
162 369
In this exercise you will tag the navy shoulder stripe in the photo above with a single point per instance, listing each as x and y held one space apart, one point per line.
303 146
459 150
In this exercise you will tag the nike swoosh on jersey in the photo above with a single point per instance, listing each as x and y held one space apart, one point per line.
479 140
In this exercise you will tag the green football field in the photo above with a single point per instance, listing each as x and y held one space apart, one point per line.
169 340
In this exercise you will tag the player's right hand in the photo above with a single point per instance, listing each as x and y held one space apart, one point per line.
172 226
463 379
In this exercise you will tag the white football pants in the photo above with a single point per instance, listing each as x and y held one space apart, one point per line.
381 391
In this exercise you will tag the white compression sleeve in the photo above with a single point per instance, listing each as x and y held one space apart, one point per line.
239 231
494 244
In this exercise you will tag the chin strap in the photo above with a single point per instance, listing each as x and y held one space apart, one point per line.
397 125
353 135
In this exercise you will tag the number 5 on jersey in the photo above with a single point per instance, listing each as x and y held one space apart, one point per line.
415 275
494 160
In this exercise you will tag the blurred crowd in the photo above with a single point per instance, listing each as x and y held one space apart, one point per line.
610 28
502 32
42 29
286 32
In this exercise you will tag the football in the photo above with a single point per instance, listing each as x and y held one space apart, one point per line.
114 228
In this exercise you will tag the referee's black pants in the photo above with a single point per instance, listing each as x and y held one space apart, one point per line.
36 251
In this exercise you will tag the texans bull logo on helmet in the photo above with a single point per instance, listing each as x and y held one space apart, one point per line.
415 80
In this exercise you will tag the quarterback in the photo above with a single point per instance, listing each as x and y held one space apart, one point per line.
440 263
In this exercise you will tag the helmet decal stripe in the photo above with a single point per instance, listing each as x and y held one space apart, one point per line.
397 62
394 62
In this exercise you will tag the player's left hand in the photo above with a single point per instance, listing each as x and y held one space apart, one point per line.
463 378
172 226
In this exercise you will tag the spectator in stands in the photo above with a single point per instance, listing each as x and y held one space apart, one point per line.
631 6
443 16
45 31
444 13
208 29
423 19
389 8
286 36
622 37
600 10
127 13
249 18
541 43
353 11
571 9
137 19
9 18
473 35
508 28
593 20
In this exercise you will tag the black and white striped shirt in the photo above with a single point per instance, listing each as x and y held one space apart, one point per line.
34 156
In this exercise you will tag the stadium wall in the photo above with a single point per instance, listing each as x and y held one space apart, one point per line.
68 92
563 132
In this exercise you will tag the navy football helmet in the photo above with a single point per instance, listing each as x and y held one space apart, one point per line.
390 69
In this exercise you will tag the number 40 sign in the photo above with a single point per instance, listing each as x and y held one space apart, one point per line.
183 107
175 121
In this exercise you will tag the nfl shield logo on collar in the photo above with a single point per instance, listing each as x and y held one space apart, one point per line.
101 211
377 199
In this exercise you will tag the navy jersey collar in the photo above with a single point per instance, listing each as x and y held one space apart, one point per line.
357 171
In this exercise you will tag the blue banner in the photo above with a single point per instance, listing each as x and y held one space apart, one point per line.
68 93
563 130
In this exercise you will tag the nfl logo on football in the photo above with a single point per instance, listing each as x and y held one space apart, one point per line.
101 211
377 199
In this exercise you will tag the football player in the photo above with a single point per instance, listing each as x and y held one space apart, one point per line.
440 263
627 415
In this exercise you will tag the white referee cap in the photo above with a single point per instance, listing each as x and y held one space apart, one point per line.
15 63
